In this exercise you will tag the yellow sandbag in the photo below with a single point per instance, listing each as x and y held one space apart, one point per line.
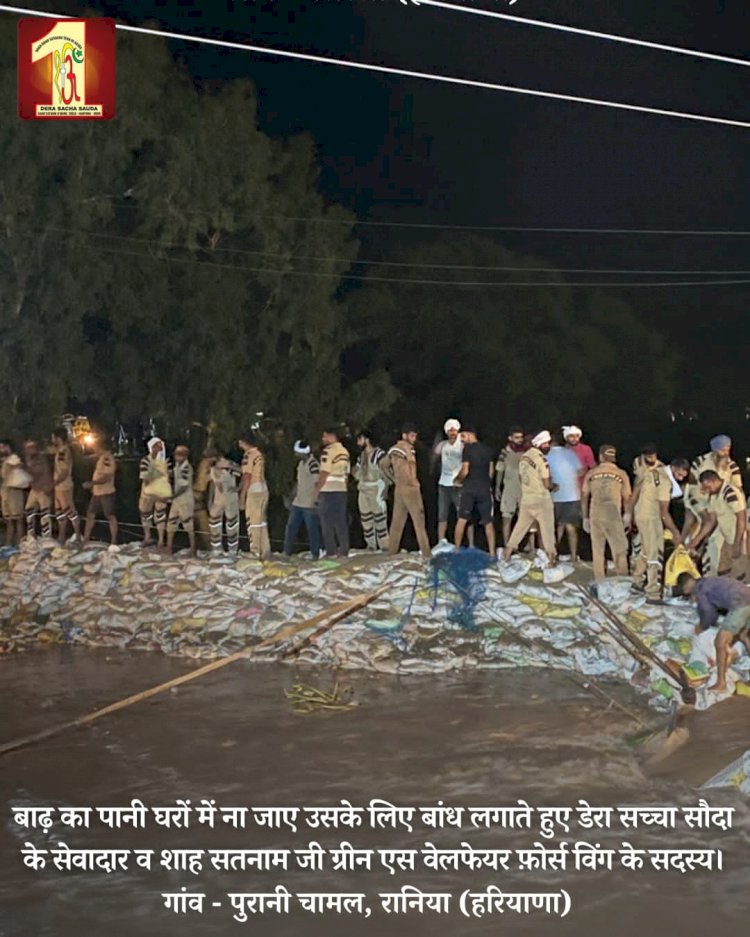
741 689
679 562
636 619
546 609
276 570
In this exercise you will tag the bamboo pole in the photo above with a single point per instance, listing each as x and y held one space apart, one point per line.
687 692
338 612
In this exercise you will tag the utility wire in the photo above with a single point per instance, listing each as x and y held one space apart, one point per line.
521 229
407 73
286 255
542 24
420 282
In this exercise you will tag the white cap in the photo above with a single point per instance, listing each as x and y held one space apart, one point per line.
572 431
451 424
300 449
150 445
541 438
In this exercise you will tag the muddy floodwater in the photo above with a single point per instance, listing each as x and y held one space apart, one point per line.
479 740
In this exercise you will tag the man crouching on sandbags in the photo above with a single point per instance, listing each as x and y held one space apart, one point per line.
712 595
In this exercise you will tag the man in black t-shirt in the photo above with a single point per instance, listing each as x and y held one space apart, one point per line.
475 475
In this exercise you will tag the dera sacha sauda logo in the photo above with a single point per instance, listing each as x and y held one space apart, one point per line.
66 69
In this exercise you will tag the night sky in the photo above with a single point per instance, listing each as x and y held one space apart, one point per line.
474 157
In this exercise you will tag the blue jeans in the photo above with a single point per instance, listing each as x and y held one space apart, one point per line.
298 517
334 522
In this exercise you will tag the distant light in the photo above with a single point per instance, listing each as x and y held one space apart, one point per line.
88 439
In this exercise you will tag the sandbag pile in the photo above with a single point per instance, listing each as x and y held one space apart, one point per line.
214 606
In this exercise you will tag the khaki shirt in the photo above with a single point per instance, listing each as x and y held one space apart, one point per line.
103 479
655 488
640 466
183 485
533 470
37 465
202 477
507 477
727 470
726 504
403 460
254 465
335 461
607 484
64 469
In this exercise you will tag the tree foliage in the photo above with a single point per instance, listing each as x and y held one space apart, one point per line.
504 354
156 265
148 262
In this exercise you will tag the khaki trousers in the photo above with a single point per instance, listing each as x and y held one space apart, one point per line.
256 508
407 502
718 559
648 554
540 512
607 530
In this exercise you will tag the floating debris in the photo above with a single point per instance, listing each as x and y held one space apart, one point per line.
307 699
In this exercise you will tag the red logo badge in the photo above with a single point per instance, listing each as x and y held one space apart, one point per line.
66 69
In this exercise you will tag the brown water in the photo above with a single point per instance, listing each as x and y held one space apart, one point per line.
481 739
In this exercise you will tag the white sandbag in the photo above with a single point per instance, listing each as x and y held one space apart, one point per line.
558 573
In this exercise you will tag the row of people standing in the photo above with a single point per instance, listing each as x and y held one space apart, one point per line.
550 488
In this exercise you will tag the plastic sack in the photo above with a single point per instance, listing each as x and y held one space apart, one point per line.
557 573
737 774
679 562
16 475
158 487
515 569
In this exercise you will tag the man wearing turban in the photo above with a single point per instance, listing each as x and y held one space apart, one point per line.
718 459
536 498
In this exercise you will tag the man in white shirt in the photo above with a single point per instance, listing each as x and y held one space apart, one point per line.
450 452
566 470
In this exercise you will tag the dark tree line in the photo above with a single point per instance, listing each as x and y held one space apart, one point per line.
155 266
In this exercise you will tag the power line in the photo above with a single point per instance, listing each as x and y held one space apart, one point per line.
542 24
520 229
407 73
419 282
286 255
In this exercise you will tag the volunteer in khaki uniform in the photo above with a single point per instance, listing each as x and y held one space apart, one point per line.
155 491
39 500
102 488
65 509
605 503
224 505
14 480
536 498
400 465
718 460
202 496
182 507
507 479
371 487
254 497
653 492
724 526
